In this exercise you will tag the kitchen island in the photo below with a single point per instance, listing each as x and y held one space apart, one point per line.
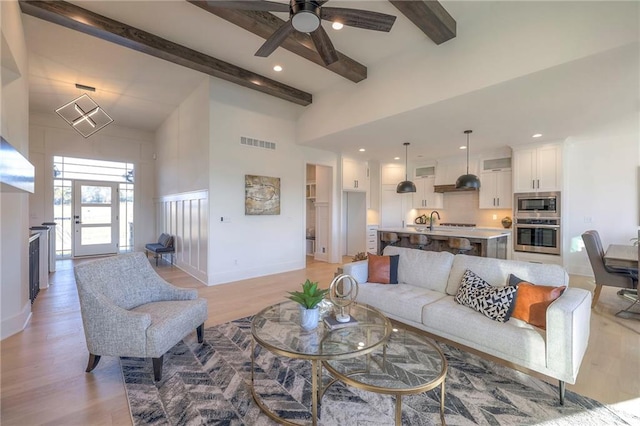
484 243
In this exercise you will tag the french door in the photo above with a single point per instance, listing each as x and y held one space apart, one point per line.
95 218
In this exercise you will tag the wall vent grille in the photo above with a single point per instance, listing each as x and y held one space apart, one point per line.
257 143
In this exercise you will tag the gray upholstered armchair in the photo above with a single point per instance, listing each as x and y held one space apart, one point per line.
128 310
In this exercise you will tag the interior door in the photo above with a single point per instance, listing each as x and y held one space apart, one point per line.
95 218
393 207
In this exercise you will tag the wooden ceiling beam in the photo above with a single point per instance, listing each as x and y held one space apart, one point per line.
85 21
264 24
430 17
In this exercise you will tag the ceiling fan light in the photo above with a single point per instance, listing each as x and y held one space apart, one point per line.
305 21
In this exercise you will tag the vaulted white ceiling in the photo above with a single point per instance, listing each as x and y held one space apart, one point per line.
515 68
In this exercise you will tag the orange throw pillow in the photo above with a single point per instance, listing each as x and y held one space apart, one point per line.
532 302
383 269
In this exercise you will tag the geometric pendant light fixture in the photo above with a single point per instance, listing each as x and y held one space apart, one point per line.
84 114
468 181
406 185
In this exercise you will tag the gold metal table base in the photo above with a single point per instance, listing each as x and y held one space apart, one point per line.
398 411
316 392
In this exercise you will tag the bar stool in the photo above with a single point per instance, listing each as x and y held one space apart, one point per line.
389 238
462 245
418 240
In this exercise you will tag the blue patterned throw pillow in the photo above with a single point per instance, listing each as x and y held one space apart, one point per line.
496 303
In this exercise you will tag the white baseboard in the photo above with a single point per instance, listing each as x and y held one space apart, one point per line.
16 323
246 273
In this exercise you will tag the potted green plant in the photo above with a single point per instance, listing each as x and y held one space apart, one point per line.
308 298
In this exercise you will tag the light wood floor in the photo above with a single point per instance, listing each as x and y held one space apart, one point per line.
42 368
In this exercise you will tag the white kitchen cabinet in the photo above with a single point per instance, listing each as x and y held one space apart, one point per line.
372 239
393 207
355 175
424 197
448 171
392 174
495 190
537 169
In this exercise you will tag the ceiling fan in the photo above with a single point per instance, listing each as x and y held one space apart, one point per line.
305 17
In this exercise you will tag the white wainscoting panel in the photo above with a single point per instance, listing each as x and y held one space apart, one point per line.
186 217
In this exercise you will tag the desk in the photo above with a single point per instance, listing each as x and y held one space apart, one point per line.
621 256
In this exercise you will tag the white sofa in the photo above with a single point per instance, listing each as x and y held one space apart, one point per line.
424 298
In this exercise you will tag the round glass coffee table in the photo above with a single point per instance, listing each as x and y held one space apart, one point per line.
277 329
408 363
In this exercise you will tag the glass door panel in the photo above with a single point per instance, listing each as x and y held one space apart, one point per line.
95 218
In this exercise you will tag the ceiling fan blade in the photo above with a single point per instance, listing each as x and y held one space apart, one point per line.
324 46
358 18
275 40
263 6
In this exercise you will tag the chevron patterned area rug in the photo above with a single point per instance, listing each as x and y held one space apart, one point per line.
209 384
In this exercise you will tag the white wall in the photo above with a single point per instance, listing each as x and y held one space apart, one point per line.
182 144
601 189
549 34
182 173
15 307
51 136
251 246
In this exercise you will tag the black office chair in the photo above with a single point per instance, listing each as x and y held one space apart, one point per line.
627 278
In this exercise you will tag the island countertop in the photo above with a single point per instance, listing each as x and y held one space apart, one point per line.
447 232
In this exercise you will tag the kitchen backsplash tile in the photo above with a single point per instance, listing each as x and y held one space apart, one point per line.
462 207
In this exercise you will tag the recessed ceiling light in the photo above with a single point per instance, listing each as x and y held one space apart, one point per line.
396 158
337 26
463 147
362 150
537 135
277 68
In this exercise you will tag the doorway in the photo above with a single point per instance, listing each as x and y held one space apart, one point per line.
318 212
355 205
95 218
93 205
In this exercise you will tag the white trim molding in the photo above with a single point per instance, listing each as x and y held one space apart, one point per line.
186 217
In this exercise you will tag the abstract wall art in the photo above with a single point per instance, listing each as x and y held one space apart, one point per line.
262 195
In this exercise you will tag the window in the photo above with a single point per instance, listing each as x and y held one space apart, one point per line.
68 169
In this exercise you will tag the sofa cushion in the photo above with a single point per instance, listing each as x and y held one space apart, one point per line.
165 240
158 248
402 301
383 269
493 302
496 272
171 321
533 300
514 341
425 269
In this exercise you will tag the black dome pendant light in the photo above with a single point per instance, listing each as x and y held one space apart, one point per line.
468 181
406 185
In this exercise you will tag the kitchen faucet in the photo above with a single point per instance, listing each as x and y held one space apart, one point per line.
431 219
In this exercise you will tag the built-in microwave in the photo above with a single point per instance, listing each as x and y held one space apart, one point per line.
537 204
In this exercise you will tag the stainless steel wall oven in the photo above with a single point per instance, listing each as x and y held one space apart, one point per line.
537 227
